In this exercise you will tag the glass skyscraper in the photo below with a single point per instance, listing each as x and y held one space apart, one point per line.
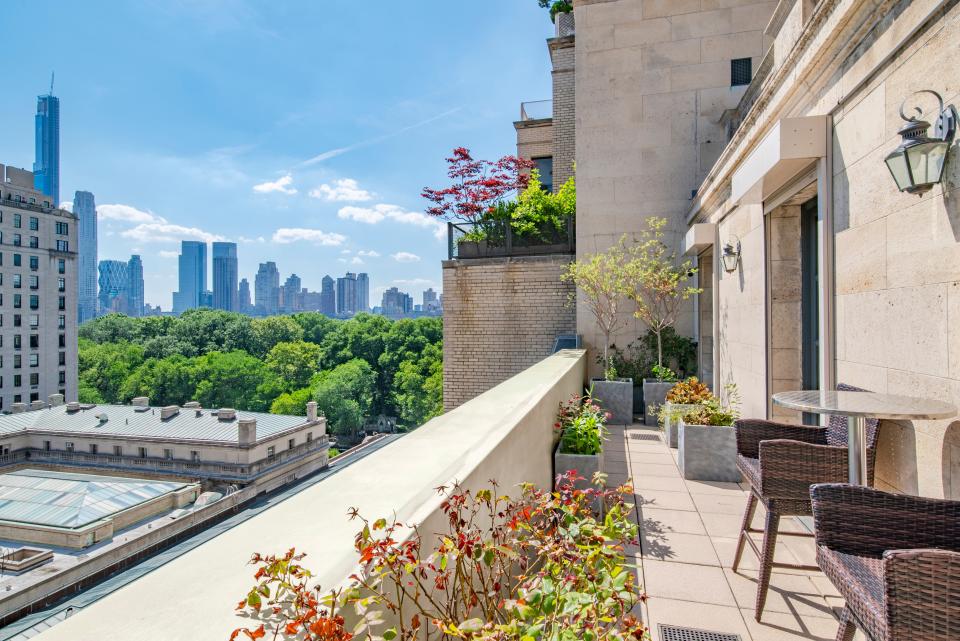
192 276
135 286
225 277
46 166
86 210
121 286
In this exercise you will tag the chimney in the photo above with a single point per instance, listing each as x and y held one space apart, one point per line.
55 400
227 414
17 408
169 412
312 411
247 433
193 405
73 406
37 405
141 401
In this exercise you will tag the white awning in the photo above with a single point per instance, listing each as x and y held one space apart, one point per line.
699 238
790 147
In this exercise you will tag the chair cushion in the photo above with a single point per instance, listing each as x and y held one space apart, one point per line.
750 467
860 580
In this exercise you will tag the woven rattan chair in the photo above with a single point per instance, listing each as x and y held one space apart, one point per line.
894 558
780 462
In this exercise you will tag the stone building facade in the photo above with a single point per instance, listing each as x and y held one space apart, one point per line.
501 315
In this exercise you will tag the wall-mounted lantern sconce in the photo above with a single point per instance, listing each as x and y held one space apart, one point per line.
731 255
917 164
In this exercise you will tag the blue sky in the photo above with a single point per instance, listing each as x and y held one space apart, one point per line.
303 130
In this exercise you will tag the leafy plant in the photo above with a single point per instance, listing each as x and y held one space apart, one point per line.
715 412
478 185
664 374
540 215
602 280
556 6
657 281
538 568
582 425
689 392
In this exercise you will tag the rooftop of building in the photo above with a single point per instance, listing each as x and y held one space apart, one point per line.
65 500
146 422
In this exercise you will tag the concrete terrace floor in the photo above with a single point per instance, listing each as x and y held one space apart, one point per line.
688 536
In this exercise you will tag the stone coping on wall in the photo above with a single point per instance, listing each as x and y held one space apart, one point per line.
505 433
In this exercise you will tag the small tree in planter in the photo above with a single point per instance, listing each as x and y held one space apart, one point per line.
582 427
658 287
602 281
707 441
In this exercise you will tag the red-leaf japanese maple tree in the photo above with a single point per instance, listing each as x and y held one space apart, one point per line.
478 185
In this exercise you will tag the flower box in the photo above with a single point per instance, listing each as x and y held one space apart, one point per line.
586 466
654 395
708 453
616 397
672 414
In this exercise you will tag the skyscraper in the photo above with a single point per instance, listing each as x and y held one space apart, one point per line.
244 305
225 276
267 289
85 208
363 293
291 295
114 286
347 295
134 287
46 166
396 303
192 276
328 297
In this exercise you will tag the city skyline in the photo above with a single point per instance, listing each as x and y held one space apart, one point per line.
323 182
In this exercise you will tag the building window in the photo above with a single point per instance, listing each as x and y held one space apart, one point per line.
17 398
291 443
544 167
62 229
63 358
17 361
17 221
35 302
17 281
167 453
63 380
61 322
17 240
34 396
34 362
17 320
63 245
34 242
61 284
741 72
271 452
34 341
17 382
17 260
63 340
61 266
93 448
34 378
309 437
17 341
195 456
62 302
118 450
17 301
68 446
34 281
34 223
47 446
142 452
34 263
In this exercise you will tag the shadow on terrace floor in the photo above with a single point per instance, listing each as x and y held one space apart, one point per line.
688 535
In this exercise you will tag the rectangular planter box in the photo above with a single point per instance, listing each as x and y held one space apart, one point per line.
585 465
671 427
708 453
616 397
654 395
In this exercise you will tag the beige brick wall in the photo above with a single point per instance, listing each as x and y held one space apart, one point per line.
562 57
500 316
534 138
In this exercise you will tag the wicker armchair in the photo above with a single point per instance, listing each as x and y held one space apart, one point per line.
894 558
780 462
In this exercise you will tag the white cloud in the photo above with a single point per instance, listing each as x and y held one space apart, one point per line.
167 253
127 214
164 232
368 254
356 260
67 205
345 251
405 257
377 213
345 189
281 185
413 281
288 235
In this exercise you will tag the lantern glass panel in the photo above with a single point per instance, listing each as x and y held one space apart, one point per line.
926 162
897 164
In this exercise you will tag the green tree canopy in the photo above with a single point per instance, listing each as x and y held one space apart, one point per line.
269 331
294 363
345 396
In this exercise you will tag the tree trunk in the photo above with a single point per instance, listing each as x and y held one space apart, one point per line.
659 347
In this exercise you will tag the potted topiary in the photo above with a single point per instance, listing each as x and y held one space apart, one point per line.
707 441
683 398
601 279
657 286
581 424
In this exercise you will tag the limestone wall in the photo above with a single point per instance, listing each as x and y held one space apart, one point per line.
501 315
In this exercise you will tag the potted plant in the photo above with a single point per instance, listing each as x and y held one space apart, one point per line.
683 398
707 441
634 362
658 288
581 424
655 392
601 279
561 14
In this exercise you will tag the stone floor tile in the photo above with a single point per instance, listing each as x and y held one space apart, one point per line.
680 521
722 525
727 547
678 547
788 593
697 583
642 470
646 458
825 585
664 500
713 487
668 483
803 548
779 626
701 616
720 503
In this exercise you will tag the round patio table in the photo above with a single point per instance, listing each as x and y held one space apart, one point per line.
858 407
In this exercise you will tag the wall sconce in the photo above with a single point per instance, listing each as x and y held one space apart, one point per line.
917 164
731 255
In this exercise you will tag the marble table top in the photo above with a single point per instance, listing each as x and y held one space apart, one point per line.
866 404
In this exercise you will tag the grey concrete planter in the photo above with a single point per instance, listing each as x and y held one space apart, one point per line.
585 465
616 397
654 395
708 453
671 422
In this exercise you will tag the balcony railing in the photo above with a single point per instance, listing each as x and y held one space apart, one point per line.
494 239
536 110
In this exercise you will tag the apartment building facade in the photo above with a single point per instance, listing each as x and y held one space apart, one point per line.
38 294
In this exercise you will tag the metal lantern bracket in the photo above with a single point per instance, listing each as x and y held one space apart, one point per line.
946 126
